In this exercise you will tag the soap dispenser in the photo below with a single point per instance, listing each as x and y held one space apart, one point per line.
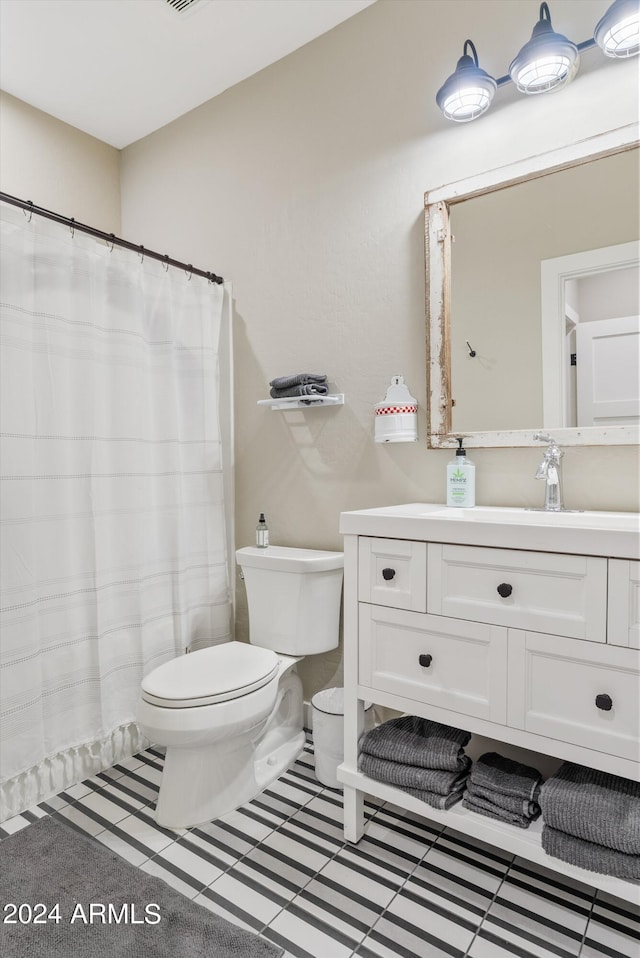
262 532
461 479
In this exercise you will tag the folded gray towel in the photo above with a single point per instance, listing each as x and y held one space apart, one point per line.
589 855
410 776
302 390
510 803
595 806
417 741
491 810
300 379
506 776
434 799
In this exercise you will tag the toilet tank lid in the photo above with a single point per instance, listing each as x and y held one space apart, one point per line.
286 559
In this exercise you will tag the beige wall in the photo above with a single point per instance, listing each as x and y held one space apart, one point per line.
58 167
304 186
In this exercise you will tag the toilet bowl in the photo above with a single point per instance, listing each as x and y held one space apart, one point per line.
231 716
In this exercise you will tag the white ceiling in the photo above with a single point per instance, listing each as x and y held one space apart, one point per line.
120 69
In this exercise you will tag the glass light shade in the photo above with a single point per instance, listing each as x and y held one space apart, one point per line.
618 33
467 93
546 62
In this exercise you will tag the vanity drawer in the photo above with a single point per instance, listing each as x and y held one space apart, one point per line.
445 662
624 603
576 692
393 572
546 592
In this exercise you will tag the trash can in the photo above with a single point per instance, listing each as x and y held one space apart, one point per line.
327 715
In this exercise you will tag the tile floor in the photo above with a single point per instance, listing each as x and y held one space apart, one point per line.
410 889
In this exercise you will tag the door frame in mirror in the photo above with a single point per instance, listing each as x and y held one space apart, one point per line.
438 290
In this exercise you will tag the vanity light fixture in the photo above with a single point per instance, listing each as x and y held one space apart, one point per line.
468 92
547 62
618 33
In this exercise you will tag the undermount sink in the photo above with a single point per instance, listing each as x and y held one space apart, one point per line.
583 520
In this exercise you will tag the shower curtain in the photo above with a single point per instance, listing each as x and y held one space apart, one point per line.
114 531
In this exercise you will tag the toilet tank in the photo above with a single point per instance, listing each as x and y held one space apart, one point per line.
293 597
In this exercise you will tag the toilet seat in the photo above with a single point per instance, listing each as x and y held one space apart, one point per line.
209 676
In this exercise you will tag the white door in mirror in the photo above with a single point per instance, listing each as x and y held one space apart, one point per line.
608 372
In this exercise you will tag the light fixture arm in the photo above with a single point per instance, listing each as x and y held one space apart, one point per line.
474 52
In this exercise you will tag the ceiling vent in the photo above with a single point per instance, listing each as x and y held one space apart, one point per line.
181 6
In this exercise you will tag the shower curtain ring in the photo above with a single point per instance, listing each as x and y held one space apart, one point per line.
72 227
190 273
30 204
166 262
113 241
141 253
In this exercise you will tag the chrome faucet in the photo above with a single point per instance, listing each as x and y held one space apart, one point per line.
549 470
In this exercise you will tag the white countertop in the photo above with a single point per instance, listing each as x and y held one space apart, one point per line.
614 534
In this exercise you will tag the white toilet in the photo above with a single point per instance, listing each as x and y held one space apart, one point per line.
231 716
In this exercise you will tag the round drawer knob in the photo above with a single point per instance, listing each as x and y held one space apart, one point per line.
604 702
388 574
425 661
505 590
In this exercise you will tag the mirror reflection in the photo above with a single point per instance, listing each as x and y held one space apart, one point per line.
545 293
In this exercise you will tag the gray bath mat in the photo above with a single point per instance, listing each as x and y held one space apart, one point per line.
106 907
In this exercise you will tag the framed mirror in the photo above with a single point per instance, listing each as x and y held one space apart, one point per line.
524 266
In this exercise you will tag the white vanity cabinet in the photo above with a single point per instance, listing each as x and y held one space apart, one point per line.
518 626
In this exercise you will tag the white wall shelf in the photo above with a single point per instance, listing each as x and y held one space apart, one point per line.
303 402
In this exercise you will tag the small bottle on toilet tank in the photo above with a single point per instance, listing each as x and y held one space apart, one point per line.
262 533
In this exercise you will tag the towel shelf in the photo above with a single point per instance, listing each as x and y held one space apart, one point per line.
303 402
526 843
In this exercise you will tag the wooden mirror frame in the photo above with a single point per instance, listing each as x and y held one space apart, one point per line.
438 292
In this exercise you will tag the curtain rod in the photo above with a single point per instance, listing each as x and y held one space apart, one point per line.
110 238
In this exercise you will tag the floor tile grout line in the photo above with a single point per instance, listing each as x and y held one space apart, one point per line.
505 878
406 880
440 834
588 922
318 872
250 851
490 905
312 878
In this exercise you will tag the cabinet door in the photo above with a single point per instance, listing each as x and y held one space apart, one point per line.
393 572
546 592
445 662
576 692
624 603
